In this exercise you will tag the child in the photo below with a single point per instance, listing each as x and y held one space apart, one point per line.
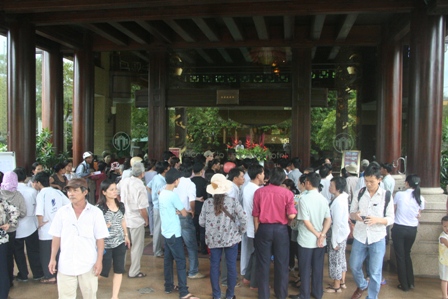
443 256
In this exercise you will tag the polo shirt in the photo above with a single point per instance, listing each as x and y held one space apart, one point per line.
78 238
273 204
169 202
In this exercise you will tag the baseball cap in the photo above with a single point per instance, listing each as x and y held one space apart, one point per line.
208 153
86 155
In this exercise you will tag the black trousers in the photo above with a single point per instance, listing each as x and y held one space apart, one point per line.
272 239
45 255
311 266
32 251
403 238
4 277
10 256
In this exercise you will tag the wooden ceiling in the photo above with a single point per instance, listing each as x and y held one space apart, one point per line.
213 32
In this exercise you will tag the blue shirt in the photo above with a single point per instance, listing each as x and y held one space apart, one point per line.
83 169
156 185
169 202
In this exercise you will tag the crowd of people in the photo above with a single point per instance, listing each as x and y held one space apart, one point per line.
77 224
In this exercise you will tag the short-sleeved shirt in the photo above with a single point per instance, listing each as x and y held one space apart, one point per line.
169 202
273 204
186 190
443 250
48 202
78 238
28 224
313 207
134 196
156 184
407 208
248 205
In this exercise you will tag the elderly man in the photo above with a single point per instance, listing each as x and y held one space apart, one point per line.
78 229
133 194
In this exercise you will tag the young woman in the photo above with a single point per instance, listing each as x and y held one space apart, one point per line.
58 180
221 214
408 205
115 245
69 174
36 167
340 230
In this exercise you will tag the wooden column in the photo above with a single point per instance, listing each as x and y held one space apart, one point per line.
389 104
83 97
22 92
53 97
301 105
157 112
425 96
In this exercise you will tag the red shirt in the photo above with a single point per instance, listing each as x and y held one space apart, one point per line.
273 204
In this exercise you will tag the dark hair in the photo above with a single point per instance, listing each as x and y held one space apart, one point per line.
314 179
197 167
174 161
444 218
254 170
296 162
162 166
345 173
234 173
68 161
291 186
283 163
166 155
387 166
213 162
247 162
34 166
43 178
21 173
218 202
186 170
413 181
208 175
372 170
103 187
1 177
267 173
102 166
58 167
340 183
277 177
324 171
151 164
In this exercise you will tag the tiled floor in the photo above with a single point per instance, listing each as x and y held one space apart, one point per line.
153 267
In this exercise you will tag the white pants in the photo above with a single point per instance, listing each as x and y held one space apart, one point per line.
67 285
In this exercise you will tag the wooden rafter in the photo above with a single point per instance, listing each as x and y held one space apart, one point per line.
180 30
343 32
113 35
160 34
288 27
130 32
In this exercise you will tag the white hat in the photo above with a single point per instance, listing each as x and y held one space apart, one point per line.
208 153
86 155
219 185
352 168
135 159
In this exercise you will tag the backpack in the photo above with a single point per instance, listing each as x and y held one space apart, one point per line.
388 195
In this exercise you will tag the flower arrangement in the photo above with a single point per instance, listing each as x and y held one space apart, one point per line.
252 150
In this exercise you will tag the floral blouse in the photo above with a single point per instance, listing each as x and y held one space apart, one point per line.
220 230
8 214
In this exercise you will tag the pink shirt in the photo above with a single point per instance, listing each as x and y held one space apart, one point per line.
273 204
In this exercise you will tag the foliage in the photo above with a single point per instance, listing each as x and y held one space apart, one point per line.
3 147
253 150
45 152
204 126
139 122
324 128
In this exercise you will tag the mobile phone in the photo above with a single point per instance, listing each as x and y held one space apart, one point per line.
363 218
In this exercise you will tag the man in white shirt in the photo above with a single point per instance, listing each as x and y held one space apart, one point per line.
236 176
324 173
388 180
248 259
133 194
372 215
78 230
26 233
186 190
48 202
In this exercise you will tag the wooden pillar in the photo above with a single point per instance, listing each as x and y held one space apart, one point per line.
83 97
22 92
53 97
157 111
389 104
425 96
300 140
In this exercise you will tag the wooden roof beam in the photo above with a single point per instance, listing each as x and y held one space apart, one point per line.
205 56
260 26
112 35
159 34
246 54
179 30
206 29
141 55
233 28
288 27
343 32
225 55
61 37
130 32
316 26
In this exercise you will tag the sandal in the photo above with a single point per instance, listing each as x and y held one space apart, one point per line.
48 280
343 286
175 289
139 275
189 296
333 290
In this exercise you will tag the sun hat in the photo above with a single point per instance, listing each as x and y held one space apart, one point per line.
219 185
352 168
